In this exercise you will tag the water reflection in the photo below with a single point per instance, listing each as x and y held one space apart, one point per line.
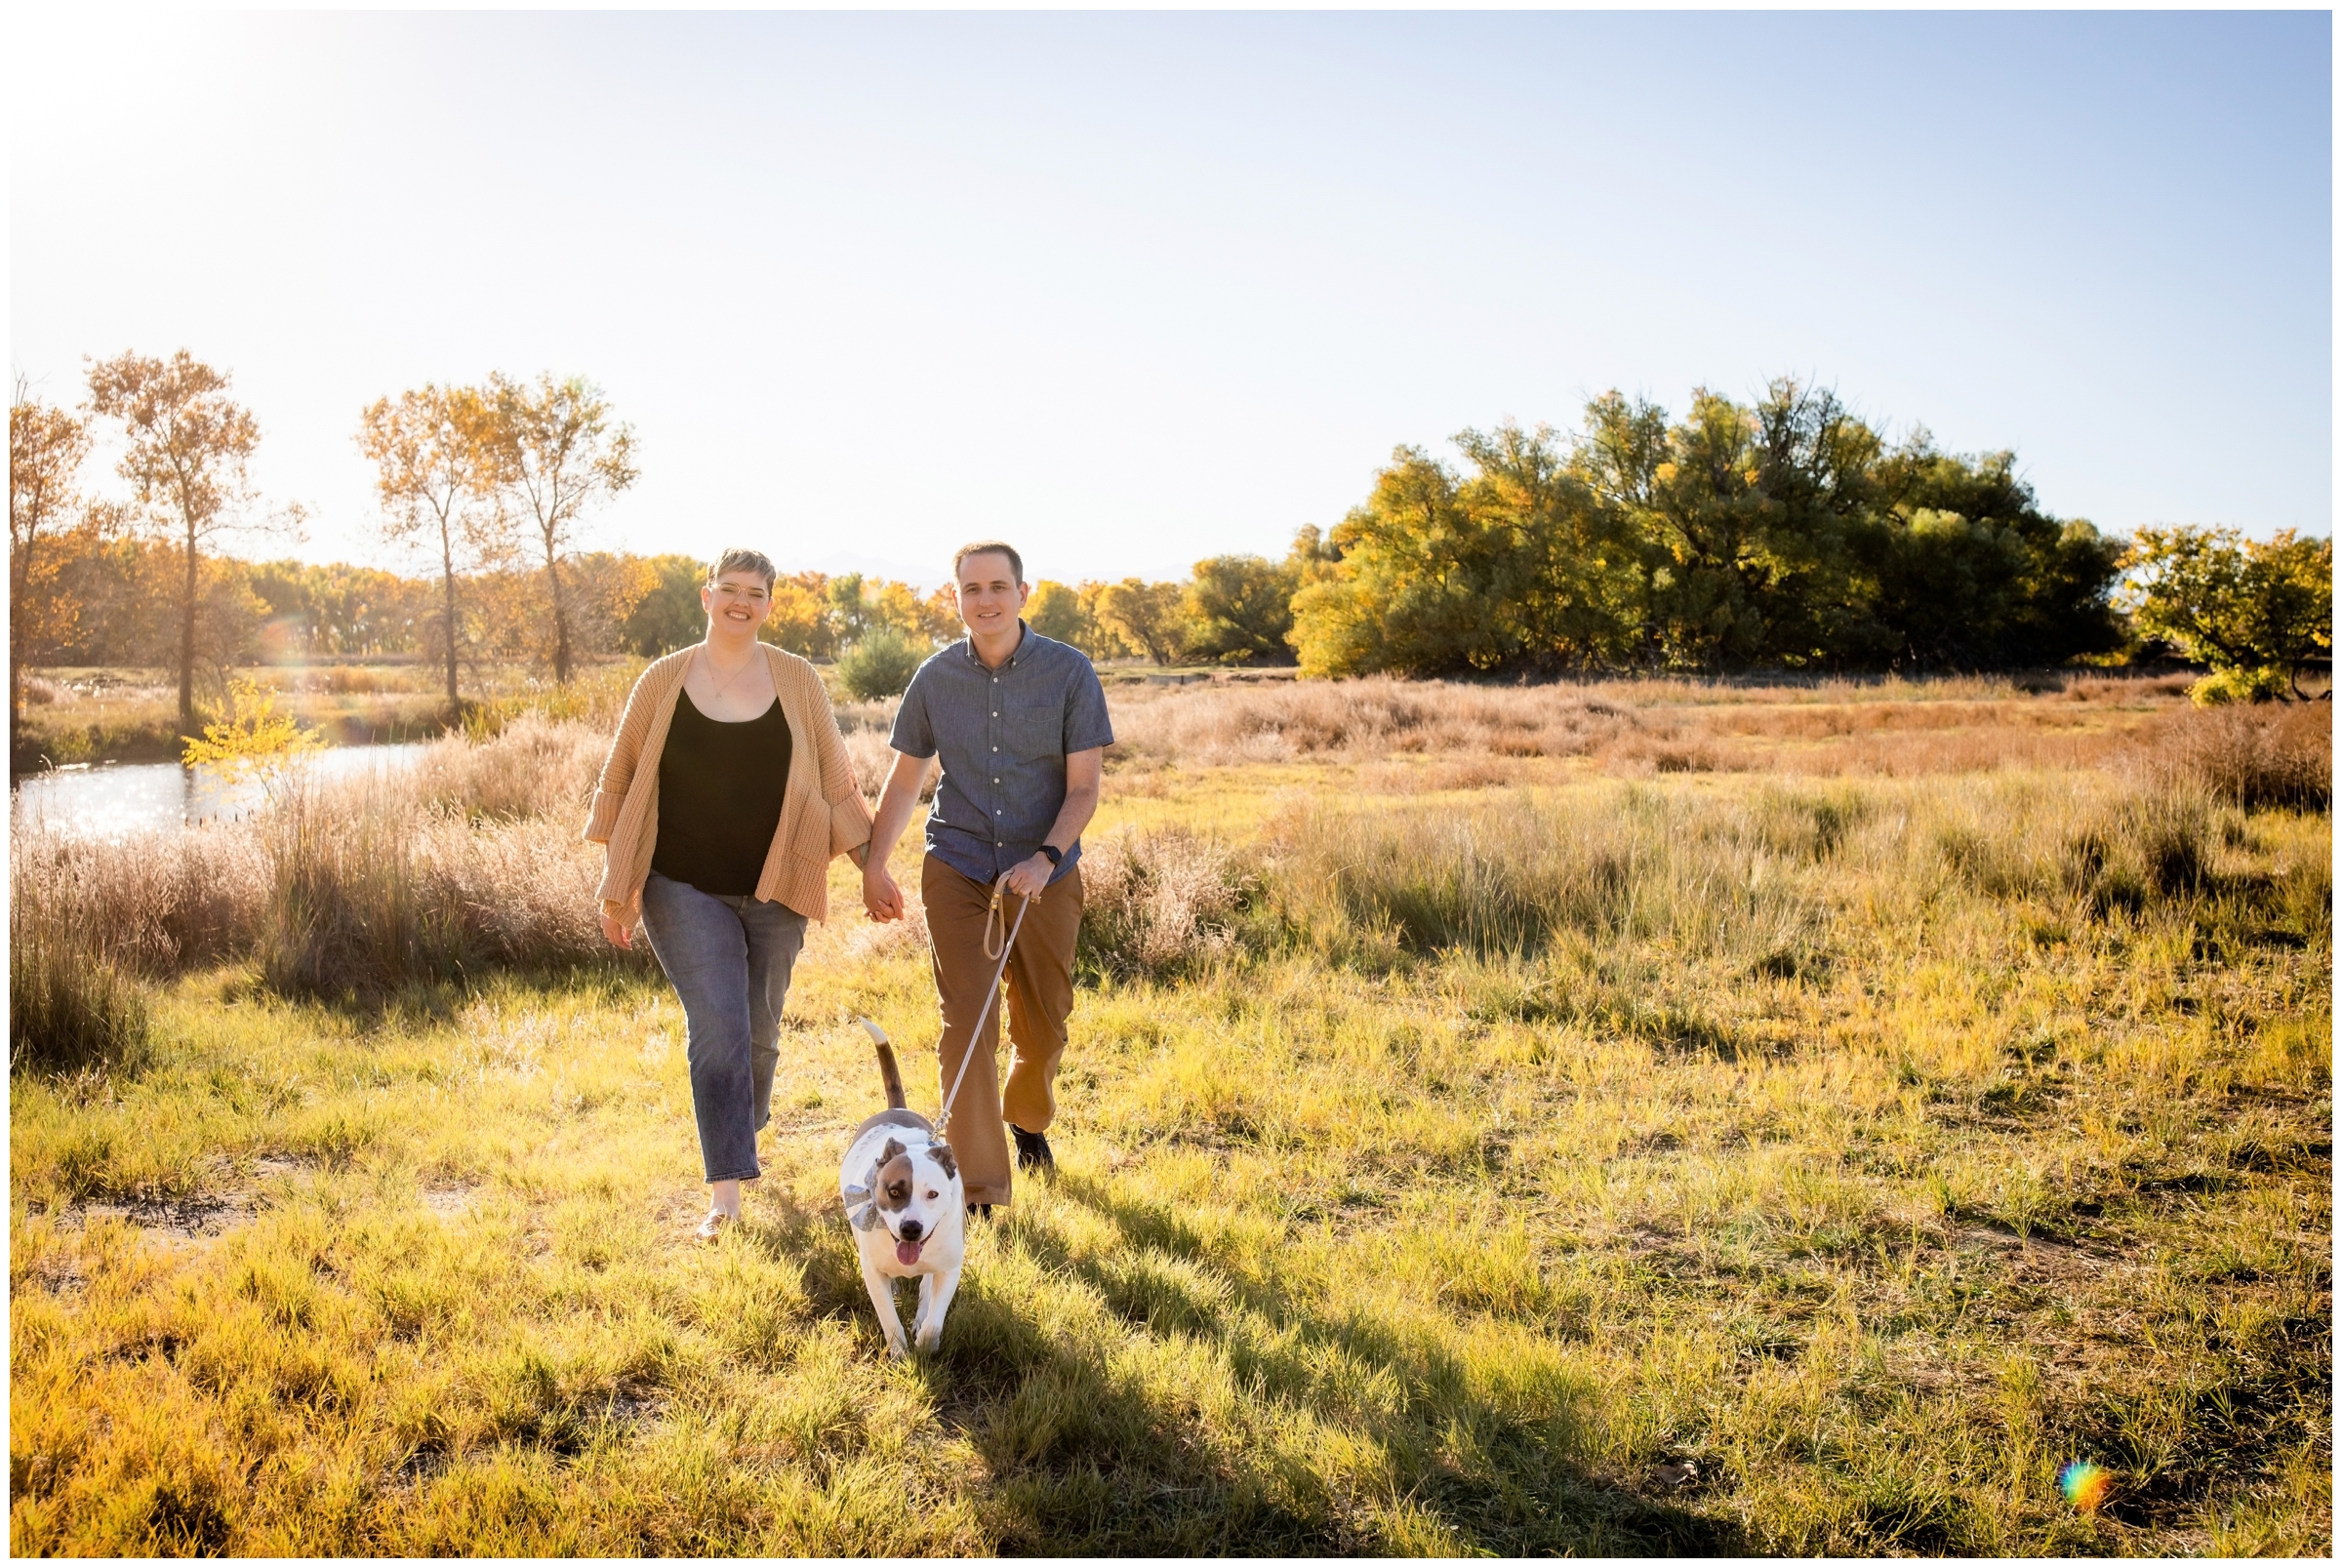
111 800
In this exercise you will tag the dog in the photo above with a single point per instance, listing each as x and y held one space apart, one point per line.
905 1200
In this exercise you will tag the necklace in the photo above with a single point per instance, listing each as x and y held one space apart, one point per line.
708 656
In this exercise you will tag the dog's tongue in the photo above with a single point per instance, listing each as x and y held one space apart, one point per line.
906 1252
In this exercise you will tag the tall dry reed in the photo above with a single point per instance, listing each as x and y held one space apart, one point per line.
468 862
2269 754
1511 875
1644 727
1162 904
371 892
534 767
72 1004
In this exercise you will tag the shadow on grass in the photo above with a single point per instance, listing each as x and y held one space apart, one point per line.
425 1000
1093 1451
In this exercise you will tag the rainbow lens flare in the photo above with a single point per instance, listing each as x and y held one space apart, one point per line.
2085 1484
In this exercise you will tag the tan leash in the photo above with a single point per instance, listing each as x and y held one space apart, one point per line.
996 917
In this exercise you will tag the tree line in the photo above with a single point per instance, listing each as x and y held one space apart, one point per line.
1781 533
488 477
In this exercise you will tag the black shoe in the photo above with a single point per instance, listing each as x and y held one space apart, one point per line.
981 1211
1032 1151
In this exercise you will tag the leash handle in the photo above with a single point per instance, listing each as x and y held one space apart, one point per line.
994 919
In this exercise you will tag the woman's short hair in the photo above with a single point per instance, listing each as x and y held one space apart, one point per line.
745 561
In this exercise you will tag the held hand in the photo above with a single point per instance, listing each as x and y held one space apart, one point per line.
881 900
1026 878
621 935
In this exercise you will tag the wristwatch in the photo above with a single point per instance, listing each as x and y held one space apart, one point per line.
1057 857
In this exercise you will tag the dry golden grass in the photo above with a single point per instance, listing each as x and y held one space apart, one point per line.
1888 729
1460 1152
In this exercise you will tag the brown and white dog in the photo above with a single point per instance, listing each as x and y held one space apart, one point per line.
905 1201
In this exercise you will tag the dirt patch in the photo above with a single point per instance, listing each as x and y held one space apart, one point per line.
448 1202
182 1222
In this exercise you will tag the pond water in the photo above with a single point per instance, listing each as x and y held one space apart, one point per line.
112 799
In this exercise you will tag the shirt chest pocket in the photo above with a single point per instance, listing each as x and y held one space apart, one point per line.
1033 733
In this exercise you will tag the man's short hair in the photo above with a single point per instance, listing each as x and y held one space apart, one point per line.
989 546
746 561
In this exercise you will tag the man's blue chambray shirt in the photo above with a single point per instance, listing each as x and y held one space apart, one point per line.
1004 734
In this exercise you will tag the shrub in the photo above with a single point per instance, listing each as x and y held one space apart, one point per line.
371 891
161 902
1507 877
2224 685
1158 904
71 1005
344 680
881 664
534 766
2280 755
596 700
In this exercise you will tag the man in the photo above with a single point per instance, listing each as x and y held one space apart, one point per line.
1021 724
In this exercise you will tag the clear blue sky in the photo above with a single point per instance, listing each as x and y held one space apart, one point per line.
1136 289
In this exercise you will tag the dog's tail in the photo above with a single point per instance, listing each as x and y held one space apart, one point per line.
887 1071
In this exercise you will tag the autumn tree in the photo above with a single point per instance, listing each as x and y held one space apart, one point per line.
558 452
800 620
435 474
1240 609
1418 589
49 523
2236 604
185 446
1056 610
1150 616
669 616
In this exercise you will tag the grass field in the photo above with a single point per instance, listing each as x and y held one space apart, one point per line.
1642 1119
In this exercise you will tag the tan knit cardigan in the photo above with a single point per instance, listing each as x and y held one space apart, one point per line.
823 814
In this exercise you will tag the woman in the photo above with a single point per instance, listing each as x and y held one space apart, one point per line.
725 797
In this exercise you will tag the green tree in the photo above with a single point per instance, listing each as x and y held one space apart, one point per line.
1970 573
1561 571
1747 514
1239 609
558 450
2238 605
1782 532
1518 565
186 445
881 664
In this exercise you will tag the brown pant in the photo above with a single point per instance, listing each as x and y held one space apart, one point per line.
1041 996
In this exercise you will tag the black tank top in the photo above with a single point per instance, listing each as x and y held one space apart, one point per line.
720 797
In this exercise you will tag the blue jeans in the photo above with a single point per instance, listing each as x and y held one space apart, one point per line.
728 958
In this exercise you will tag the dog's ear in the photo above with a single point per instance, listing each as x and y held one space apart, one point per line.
892 1153
943 1158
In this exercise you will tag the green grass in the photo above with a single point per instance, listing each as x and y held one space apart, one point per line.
1703 1164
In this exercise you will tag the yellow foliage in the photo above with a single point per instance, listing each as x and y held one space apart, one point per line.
253 737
